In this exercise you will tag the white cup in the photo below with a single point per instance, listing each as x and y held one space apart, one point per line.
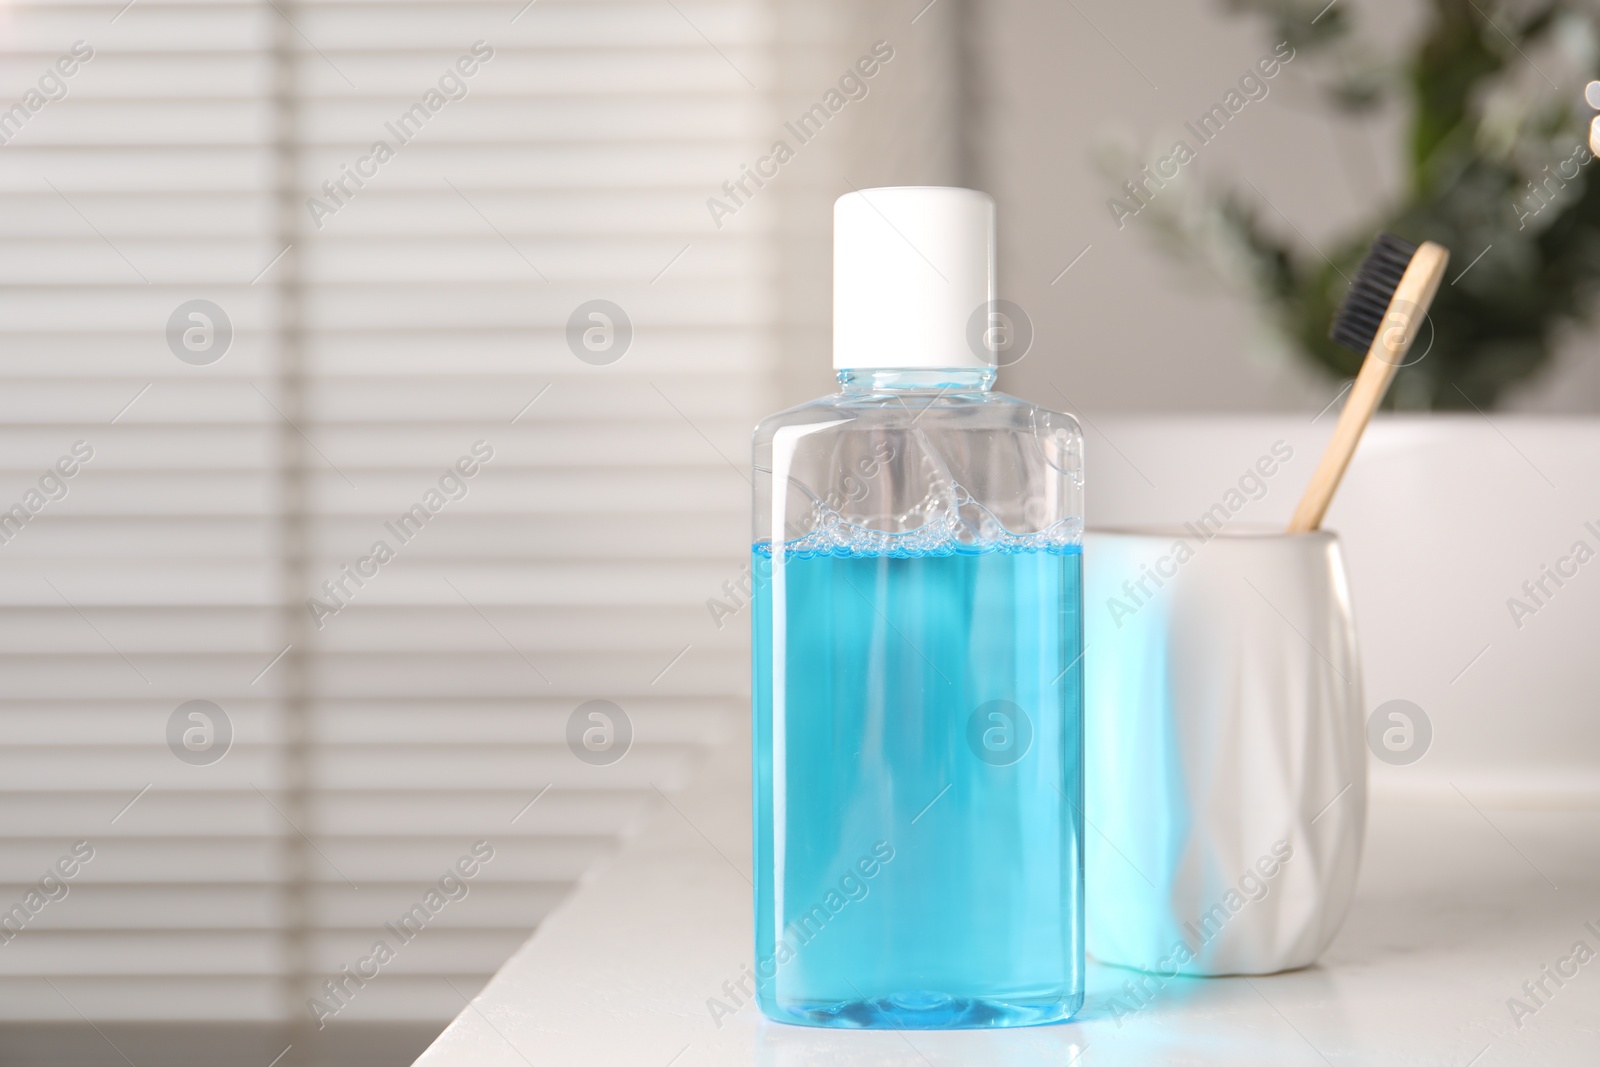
1225 758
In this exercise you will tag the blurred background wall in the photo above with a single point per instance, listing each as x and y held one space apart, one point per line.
435 311
1049 98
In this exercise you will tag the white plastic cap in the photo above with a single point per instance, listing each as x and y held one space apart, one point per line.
911 266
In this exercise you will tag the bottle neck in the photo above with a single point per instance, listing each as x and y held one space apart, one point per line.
918 380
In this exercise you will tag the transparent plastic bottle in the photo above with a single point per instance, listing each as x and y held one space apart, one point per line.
917 674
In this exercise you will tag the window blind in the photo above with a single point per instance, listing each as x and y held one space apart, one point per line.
390 318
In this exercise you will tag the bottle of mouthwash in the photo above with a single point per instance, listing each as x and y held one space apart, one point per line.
917 643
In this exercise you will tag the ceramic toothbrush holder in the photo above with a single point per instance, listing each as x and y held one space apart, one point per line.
1225 759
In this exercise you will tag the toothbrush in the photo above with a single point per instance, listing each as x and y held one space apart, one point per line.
1381 314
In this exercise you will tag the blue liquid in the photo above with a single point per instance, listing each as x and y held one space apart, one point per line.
918 787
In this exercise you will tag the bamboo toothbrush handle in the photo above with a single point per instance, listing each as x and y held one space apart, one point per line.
1405 314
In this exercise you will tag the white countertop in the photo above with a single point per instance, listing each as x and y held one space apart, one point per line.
1457 907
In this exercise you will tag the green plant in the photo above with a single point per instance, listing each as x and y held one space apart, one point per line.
1496 159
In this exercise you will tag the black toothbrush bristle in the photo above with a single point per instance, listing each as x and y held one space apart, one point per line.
1365 305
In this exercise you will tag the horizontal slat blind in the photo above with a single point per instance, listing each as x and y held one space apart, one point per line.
428 313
